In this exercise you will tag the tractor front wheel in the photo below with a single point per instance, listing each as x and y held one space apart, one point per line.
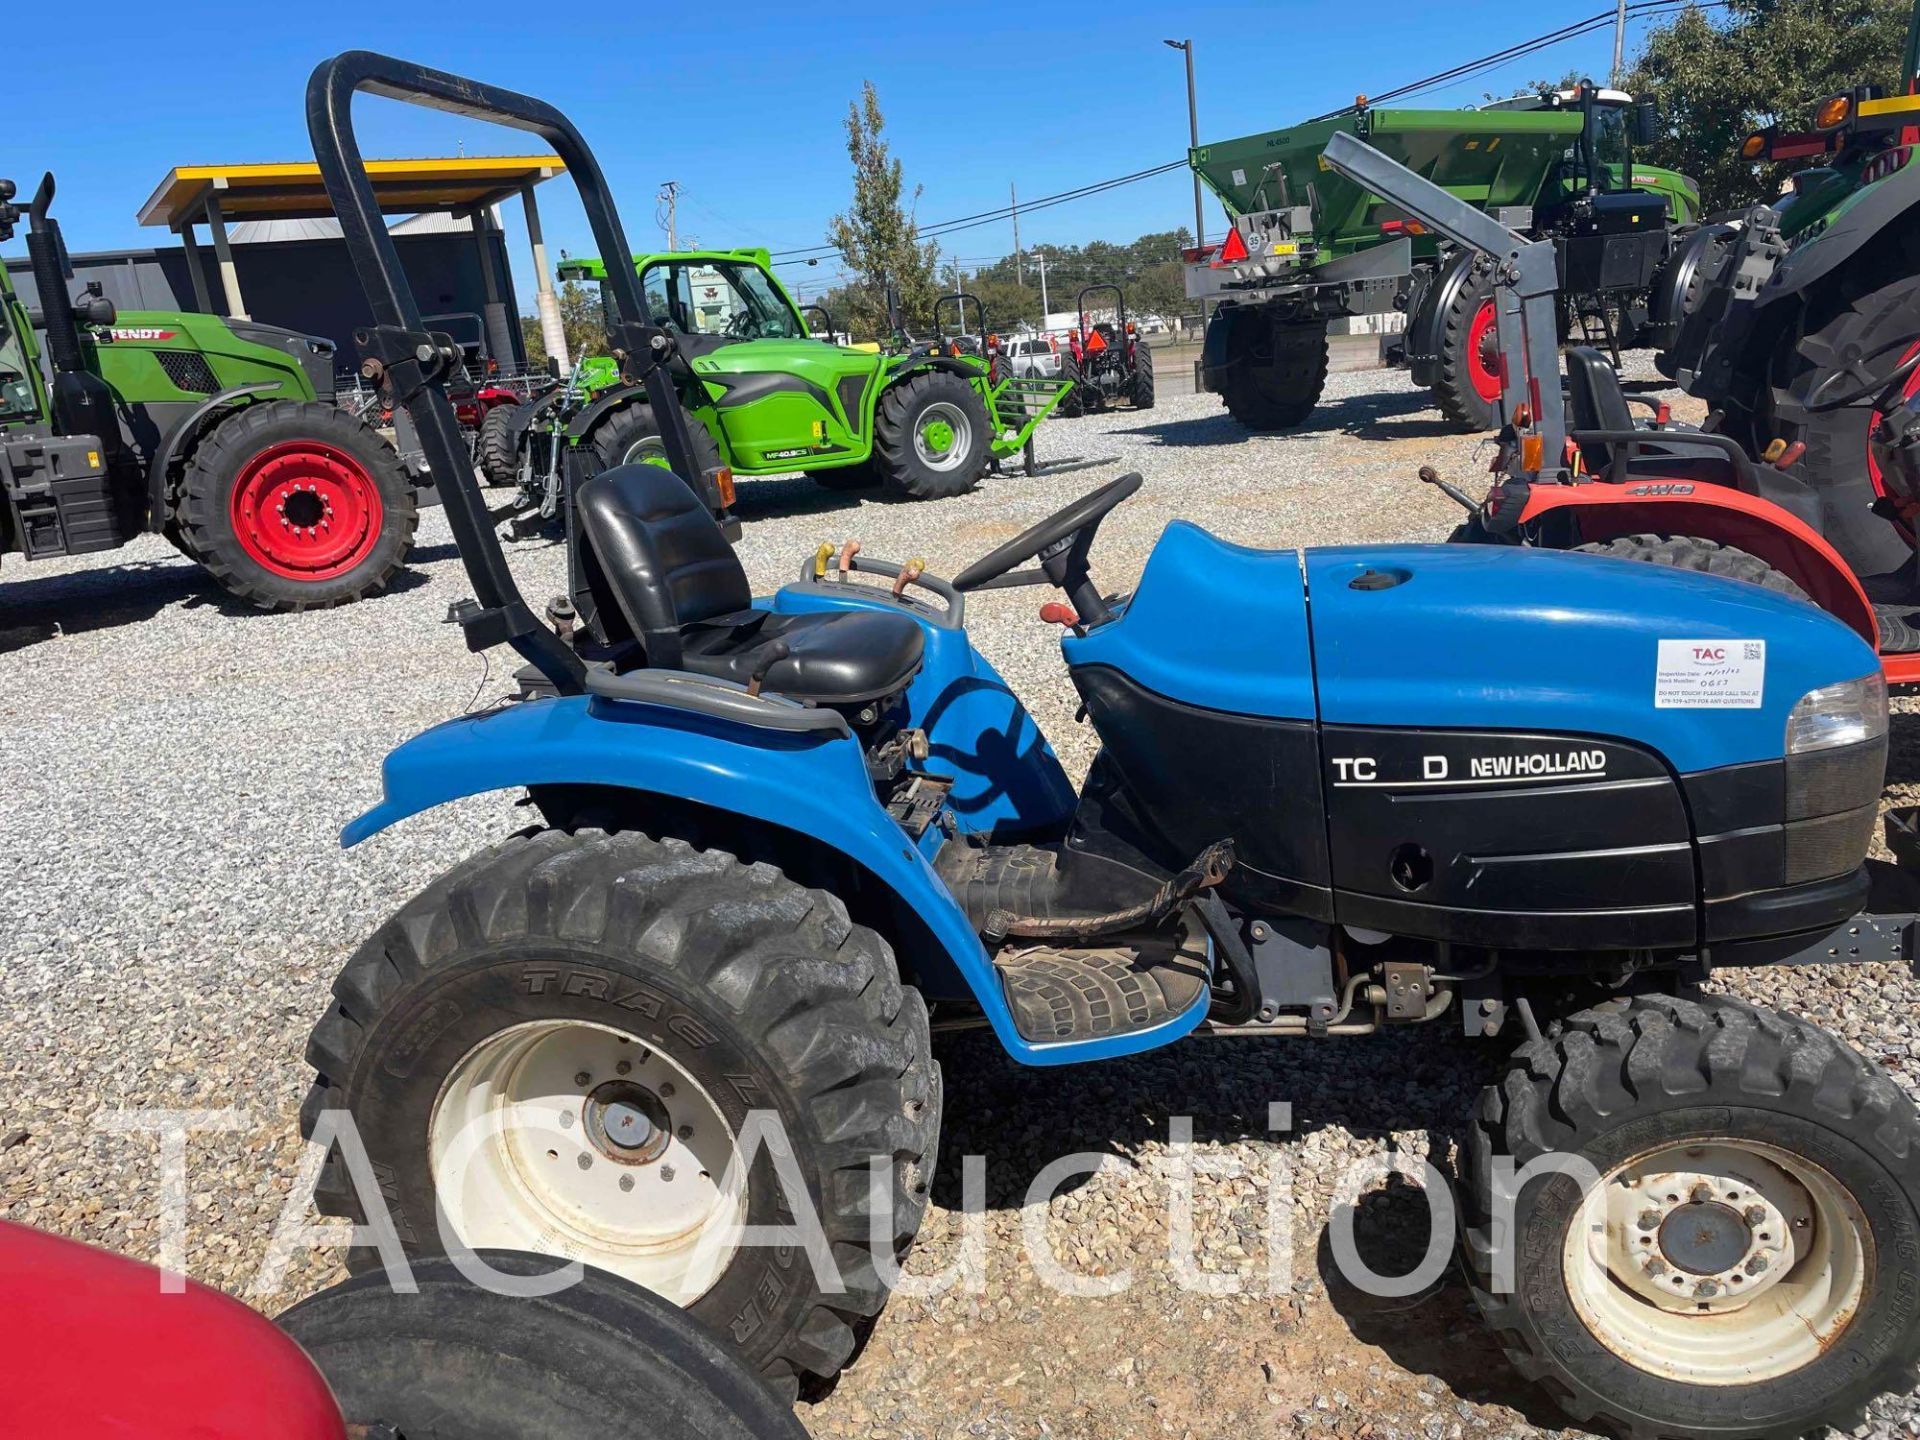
1467 389
498 450
632 437
456 1357
295 505
664 1062
932 436
1695 1218
1275 372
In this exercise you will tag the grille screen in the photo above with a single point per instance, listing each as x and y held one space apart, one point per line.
188 370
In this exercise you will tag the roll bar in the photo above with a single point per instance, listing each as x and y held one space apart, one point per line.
1119 306
413 365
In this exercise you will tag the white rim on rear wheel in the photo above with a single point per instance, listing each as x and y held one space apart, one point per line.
946 421
566 1138
1717 1262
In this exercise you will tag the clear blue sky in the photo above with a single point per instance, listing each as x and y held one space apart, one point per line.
746 99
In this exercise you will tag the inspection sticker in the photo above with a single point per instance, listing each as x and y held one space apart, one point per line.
1710 675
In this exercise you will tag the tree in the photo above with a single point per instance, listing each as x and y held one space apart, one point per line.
877 237
1771 61
581 320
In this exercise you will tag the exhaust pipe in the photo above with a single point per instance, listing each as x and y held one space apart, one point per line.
51 273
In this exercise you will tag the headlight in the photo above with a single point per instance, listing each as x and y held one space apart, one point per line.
1844 714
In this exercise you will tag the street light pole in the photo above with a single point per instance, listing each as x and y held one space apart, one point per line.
1193 136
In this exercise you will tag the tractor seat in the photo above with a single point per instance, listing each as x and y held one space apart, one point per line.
660 575
1596 402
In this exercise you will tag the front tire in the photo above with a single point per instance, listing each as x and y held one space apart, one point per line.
294 505
457 1361
1739 1270
632 437
931 437
518 984
499 455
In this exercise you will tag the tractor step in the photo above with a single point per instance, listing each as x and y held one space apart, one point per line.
1061 994
1899 628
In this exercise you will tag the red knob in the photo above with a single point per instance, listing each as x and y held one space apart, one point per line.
1055 613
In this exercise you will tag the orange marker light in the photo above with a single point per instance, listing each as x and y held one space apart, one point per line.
1754 146
1833 113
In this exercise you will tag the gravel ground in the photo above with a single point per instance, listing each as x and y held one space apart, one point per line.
178 772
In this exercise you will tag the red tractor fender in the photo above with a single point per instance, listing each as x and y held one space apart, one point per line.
95 1351
1719 513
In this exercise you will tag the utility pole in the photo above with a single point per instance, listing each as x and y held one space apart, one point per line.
955 268
1619 42
1193 137
1019 269
1040 257
669 197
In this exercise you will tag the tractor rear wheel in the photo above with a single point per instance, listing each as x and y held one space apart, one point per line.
295 505
632 437
1715 1238
1142 375
1275 373
455 1360
931 437
499 452
623 1050
1082 398
1467 389
1693 552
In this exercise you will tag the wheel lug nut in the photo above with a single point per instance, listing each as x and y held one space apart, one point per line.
1706 1290
1756 1215
1757 1265
624 1067
666 1172
1656 1266
1649 1219
666 1091
585 1162
1702 1194
626 1182
582 1078
685 1132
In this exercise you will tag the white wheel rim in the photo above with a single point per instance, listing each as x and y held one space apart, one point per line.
957 450
647 447
1717 1262
542 1141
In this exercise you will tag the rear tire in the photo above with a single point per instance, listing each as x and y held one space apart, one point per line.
1782 1146
1275 373
751 993
295 505
907 434
1692 552
1467 389
632 437
455 1361
498 451
1142 376
1079 400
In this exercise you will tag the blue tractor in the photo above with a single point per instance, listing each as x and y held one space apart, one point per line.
1534 797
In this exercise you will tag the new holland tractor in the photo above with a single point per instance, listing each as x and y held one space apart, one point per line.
766 398
1537 798
219 434
1306 246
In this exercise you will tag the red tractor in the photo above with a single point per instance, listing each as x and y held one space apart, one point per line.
98 1349
1106 360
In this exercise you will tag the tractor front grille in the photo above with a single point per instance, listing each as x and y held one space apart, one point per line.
188 370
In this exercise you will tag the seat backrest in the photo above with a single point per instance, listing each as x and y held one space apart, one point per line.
1596 401
651 548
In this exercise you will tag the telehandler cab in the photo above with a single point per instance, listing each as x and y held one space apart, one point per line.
1542 798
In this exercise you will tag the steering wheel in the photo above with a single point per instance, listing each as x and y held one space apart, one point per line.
1060 542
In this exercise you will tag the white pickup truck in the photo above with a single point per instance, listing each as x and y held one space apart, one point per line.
1033 357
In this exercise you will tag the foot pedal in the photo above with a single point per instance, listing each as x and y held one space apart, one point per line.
1060 994
1899 628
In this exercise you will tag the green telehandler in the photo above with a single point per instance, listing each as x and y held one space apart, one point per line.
1307 246
219 434
768 398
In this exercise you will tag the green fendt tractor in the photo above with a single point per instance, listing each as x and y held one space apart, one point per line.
1308 246
770 399
219 434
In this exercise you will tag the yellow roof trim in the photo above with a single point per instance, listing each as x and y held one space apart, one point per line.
292 190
